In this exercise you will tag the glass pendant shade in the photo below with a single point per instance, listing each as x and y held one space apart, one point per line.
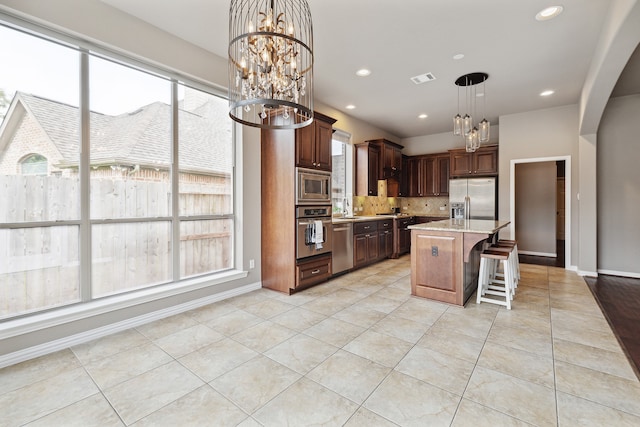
471 141
484 131
271 63
457 125
467 124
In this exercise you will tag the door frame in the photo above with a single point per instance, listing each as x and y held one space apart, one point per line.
567 200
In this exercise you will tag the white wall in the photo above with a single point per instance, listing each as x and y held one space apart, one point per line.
618 174
440 142
535 203
538 134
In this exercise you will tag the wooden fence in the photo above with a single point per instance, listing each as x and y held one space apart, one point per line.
39 267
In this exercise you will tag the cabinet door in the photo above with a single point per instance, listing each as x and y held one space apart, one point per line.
430 176
423 188
405 240
372 176
461 163
442 179
397 158
323 137
404 178
388 244
485 162
372 246
305 147
359 250
412 177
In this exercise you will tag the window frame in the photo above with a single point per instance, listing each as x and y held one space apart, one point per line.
88 306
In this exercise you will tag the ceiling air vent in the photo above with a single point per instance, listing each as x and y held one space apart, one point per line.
422 78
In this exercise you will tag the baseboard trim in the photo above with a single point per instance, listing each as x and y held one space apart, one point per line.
544 254
66 342
587 273
619 273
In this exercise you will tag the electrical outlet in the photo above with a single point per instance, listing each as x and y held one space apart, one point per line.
434 251
442 208
252 264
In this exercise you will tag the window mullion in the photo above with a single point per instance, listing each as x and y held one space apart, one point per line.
84 171
175 184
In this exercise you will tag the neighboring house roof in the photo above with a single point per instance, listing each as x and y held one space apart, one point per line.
141 137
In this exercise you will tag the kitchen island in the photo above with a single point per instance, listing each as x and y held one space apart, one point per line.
445 257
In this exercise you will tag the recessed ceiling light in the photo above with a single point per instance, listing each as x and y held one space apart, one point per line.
549 13
350 107
547 93
458 56
422 116
363 72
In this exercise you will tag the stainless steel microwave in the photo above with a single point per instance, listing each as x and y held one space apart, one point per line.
312 187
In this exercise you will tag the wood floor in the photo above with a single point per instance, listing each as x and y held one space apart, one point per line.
619 299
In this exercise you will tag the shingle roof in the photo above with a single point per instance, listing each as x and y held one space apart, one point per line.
140 137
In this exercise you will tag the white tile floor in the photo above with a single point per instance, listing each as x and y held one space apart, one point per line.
356 351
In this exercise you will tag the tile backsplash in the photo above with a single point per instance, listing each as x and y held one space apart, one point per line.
426 206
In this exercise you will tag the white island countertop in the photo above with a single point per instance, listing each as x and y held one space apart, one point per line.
462 226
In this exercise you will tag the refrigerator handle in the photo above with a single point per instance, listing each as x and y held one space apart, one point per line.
467 206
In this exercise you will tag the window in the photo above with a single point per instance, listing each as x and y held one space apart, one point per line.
158 199
341 177
34 164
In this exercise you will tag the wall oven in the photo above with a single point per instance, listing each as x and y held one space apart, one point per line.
313 187
313 231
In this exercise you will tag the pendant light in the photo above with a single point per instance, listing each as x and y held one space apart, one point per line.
463 125
271 63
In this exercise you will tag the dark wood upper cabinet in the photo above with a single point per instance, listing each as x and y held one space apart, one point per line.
313 143
482 162
428 175
367 167
378 159
404 177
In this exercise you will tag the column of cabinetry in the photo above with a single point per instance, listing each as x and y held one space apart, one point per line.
281 152
482 162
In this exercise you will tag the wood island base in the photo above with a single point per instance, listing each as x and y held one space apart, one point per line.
445 258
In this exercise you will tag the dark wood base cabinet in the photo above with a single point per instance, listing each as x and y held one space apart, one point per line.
310 271
402 236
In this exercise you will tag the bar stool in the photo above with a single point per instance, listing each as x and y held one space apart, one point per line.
516 257
511 249
487 285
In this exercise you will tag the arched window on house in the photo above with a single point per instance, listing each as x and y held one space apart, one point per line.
34 164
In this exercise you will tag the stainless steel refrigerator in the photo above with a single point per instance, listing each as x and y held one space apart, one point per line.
473 198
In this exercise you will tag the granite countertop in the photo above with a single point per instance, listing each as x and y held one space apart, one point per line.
462 226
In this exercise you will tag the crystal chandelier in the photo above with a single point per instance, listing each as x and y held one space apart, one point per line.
473 135
270 63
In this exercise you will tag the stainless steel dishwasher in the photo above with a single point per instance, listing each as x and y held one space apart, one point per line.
342 251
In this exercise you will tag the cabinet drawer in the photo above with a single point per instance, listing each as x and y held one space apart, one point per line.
313 271
404 223
365 227
386 224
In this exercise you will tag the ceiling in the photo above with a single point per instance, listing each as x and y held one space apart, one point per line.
401 39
